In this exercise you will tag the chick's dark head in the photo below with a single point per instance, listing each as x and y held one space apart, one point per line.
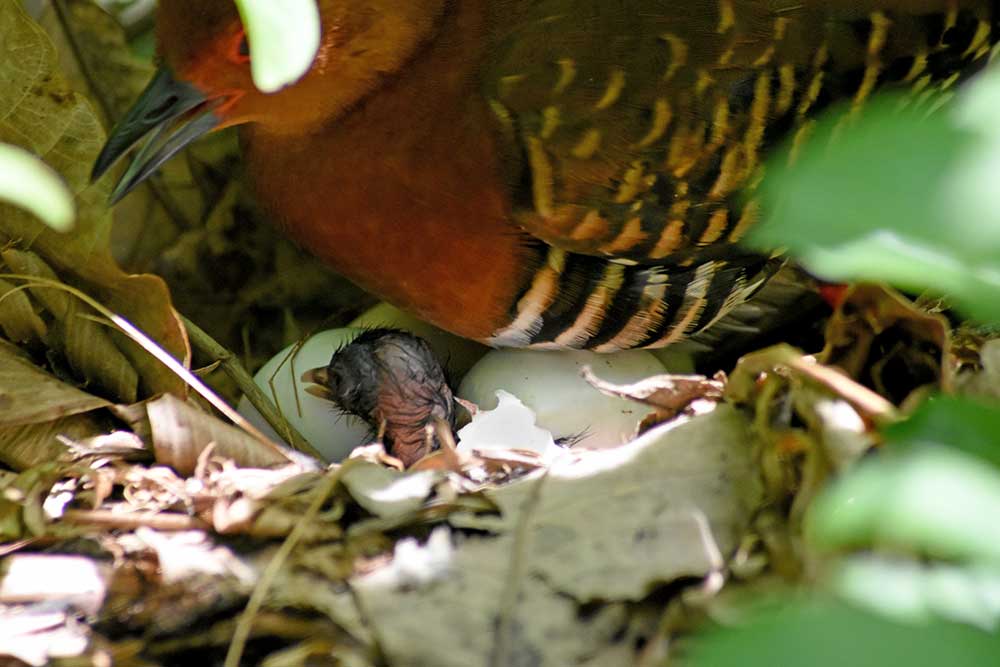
392 380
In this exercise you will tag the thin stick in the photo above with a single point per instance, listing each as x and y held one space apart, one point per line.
165 521
267 577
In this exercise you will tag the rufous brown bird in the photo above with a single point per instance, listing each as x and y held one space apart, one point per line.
564 173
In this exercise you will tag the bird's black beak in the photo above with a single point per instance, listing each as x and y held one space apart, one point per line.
175 112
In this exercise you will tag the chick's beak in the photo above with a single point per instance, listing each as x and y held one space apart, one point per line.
175 112
319 379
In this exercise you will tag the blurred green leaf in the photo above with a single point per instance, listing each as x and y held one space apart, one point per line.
283 38
929 499
896 195
28 182
827 634
957 422
917 592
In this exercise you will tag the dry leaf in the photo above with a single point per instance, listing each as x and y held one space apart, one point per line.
181 432
39 113
18 319
602 525
668 394
29 395
883 340
39 633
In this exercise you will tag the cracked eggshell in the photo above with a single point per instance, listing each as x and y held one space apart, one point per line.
549 383
332 433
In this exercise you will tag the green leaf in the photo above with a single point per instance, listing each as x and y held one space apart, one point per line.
909 591
929 499
896 195
827 634
283 38
960 423
28 182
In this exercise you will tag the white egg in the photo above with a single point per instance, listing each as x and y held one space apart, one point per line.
456 354
326 429
549 383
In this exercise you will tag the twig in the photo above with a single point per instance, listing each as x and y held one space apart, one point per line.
238 373
246 621
861 396
171 521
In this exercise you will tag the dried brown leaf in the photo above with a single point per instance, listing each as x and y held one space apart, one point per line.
668 394
181 432
18 319
788 362
39 113
29 395
885 341
23 447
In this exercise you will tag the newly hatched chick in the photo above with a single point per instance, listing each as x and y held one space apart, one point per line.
392 380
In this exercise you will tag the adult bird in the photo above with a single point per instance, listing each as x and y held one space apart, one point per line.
554 173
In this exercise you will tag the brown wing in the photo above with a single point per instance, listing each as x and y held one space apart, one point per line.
633 126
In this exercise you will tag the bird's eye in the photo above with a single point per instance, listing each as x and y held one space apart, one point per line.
239 53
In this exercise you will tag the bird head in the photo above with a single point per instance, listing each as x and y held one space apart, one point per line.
204 80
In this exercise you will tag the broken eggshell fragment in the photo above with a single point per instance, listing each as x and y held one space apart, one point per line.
549 382
511 425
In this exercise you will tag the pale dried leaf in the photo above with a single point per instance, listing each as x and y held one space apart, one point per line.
607 525
676 495
38 633
118 444
181 433
23 447
668 394
75 581
184 555
453 622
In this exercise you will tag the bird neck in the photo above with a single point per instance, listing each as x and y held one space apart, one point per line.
406 186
